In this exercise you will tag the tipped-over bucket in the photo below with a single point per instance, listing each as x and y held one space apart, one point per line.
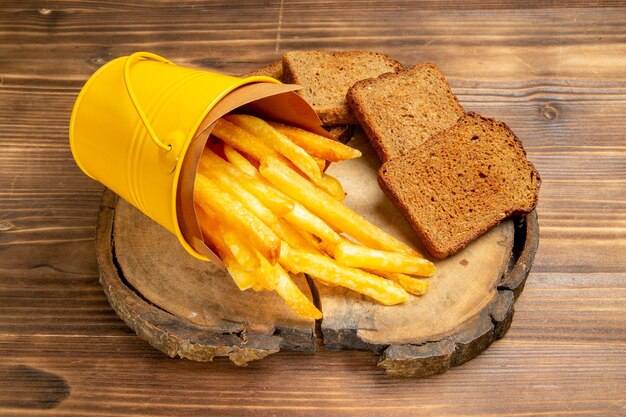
134 121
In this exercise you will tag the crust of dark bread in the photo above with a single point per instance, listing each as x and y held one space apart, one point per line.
403 181
398 111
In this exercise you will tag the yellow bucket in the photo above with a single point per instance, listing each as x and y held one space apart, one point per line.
135 118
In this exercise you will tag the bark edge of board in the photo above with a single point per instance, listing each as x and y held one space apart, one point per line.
477 333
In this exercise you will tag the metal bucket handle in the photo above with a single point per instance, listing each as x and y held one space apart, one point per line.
133 98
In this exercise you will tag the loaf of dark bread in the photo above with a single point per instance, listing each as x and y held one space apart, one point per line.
461 182
326 77
399 111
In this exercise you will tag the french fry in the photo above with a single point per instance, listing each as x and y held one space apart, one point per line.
236 188
267 276
277 141
209 195
294 297
217 235
239 161
331 186
257 138
243 254
325 269
243 141
269 196
321 163
326 182
349 254
239 264
300 239
303 219
316 145
313 243
411 285
242 278
330 210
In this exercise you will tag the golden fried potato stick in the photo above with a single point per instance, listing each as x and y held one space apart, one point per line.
242 278
277 141
327 208
316 145
313 243
243 141
240 162
349 254
267 276
410 284
279 226
331 186
208 195
321 163
242 252
294 297
326 182
237 190
303 219
269 196
239 264
300 239
325 269
236 186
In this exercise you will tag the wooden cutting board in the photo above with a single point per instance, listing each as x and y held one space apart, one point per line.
189 308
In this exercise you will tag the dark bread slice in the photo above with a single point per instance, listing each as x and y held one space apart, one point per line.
274 70
326 77
460 183
342 133
400 111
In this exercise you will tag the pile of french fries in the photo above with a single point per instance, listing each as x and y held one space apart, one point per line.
268 209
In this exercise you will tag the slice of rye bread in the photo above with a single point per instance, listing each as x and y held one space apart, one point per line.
400 111
460 183
342 133
327 75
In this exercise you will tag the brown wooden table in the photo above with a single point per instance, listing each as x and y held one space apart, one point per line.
555 72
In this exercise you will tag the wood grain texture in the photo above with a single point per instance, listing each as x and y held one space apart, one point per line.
554 71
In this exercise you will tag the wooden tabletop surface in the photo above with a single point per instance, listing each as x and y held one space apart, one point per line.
554 72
